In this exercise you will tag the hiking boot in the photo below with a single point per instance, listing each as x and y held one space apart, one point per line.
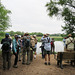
23 63
49 63
19 60
15 66
45 63
27 63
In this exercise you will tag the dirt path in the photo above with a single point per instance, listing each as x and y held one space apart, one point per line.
37 67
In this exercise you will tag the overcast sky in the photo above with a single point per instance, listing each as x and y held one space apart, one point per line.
31 16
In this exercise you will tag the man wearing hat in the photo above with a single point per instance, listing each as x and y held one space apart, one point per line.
6 51
26 49
69 43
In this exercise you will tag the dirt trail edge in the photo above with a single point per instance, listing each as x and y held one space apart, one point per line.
37 67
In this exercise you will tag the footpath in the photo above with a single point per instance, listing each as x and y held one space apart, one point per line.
37 67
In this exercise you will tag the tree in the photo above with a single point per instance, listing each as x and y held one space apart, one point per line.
4 18
66 10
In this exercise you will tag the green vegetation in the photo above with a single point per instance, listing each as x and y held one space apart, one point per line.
4 18
64 9
57 37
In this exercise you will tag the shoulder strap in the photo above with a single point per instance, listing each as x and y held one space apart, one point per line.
70 42
48 39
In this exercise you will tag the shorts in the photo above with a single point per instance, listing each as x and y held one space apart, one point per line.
47 52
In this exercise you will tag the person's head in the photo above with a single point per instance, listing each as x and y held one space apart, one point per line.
69 35
52 38
44 35
47 35
34 36
7 35
26 34
31 37
21 35
16 36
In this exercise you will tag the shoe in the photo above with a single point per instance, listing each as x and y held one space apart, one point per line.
15 66
27 63
45 63
23 63
34 56
19 60
49 63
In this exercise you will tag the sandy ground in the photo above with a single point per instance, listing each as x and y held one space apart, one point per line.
37 67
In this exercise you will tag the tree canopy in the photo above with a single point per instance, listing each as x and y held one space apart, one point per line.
4 18
66 10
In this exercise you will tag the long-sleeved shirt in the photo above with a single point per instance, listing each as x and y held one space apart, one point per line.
15 45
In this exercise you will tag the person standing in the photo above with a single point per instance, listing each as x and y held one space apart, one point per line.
15 49
42 46
34 36
26 49
19 38
47 48
52 46
32 48
69 43
6 51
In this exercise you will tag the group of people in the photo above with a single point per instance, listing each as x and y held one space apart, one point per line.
47 47
21 45
27 44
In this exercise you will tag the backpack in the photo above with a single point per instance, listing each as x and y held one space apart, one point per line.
33 43
27 42
6 46
47 45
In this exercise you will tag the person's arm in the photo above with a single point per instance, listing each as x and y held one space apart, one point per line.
2 41
66 44
14 46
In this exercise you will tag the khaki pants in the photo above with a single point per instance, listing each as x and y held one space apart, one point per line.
26 50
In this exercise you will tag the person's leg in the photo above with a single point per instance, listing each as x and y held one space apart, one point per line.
35 53
4 60
15 62
48 59
31 55
9 60
43 54
28 57
45 57
24 57
51 49
20 56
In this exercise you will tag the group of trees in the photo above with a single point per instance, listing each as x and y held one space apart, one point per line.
39 34
12 33
4 18
65 9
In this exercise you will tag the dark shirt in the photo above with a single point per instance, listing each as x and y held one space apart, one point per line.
6 39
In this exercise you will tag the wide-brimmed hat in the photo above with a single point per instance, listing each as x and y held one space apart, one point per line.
69 35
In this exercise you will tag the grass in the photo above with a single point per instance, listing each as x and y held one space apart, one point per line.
56 38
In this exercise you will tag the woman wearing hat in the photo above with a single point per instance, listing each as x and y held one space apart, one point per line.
15 48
